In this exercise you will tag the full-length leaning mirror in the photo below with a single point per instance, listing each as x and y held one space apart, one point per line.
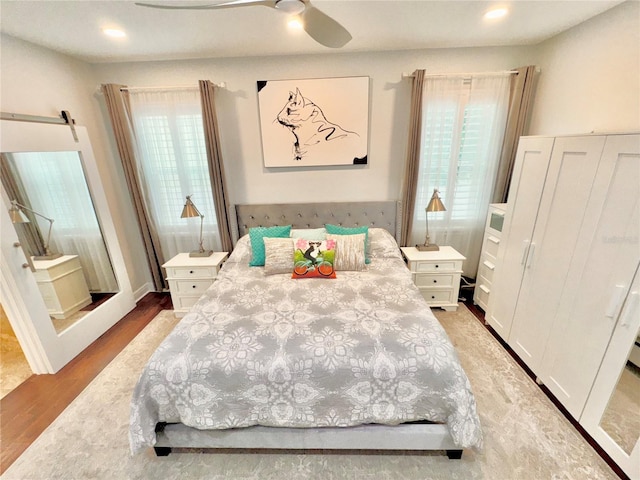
55 220
621 420
62 266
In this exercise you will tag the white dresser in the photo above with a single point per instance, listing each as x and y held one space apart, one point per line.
189 277
436 274
489 254
62 285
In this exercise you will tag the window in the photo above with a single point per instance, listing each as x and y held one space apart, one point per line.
463 126
173 164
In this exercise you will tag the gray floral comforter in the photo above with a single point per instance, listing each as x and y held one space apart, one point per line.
270 350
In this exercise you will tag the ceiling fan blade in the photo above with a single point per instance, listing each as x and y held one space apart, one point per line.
324 29
211 6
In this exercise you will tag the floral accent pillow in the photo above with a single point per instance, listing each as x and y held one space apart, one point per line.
314 258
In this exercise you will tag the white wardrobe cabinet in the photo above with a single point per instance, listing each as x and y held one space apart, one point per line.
568 256
604 252
562 211
527 181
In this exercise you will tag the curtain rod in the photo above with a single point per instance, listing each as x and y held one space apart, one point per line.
171 87
469 74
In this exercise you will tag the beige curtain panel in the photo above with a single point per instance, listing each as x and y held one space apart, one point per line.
216 165
520 104
413 157
28 233
120 115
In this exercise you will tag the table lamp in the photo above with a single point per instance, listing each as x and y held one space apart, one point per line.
190 211
17 216
435 205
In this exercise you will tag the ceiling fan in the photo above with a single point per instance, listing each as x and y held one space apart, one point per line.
322 28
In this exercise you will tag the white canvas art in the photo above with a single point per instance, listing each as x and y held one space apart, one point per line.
314 122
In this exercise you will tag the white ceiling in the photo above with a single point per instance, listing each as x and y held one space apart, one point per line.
74 27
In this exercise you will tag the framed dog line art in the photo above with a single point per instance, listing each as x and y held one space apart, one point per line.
314 122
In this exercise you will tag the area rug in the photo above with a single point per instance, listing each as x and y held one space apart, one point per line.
526 438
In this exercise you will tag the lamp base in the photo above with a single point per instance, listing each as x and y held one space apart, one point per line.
198 253
51 256
431 247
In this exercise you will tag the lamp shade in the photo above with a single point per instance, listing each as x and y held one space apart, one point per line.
17 216
435 204
190 209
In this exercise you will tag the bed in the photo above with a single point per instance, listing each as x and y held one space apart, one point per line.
266 361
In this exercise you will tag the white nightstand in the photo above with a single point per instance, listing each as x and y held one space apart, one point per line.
189 277
436 274
62 285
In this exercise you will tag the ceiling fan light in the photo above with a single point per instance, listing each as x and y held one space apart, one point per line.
496 13
114 32
291 7
295 23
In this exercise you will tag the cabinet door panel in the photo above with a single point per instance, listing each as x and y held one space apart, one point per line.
527 182
570 181
602 266
601 403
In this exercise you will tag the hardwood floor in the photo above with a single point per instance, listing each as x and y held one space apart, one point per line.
36 403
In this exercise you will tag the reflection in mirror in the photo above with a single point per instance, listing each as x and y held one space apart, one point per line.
57 225
621 420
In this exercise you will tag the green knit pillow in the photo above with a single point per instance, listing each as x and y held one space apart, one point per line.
257 234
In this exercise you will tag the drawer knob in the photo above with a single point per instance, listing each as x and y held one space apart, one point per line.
193 286
433 296
435 281
437 265
190 271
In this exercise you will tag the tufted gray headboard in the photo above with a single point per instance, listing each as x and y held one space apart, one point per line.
315 215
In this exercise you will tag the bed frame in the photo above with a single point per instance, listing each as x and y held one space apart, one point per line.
408 438
315 215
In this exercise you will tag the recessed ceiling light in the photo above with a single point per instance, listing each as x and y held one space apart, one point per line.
496 13
114 32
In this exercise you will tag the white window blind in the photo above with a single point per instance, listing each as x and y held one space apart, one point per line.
173 164
462 131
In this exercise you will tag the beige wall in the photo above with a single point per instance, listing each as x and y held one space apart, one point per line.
249 181
38 81
590 77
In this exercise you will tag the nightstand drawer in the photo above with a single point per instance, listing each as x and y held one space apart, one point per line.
190 287
435 297
191 272
184 302
444 266
433 280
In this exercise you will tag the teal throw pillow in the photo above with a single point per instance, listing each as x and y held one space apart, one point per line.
256 236
340 230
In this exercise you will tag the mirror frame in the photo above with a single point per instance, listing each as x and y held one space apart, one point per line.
606 381
45 349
